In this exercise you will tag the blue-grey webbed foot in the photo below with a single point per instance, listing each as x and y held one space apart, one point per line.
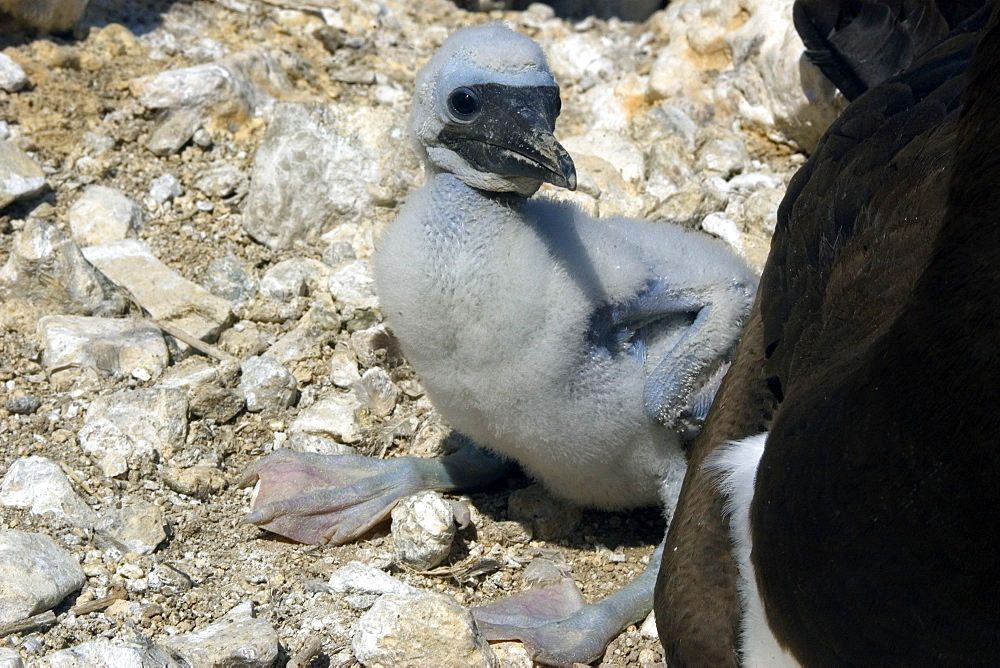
690 420
680 388
556 625
319 499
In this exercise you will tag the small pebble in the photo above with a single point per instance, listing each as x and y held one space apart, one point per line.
165 188
376 391
25 405
423 529
12 76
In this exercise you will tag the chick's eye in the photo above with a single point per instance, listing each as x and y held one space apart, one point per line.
463 103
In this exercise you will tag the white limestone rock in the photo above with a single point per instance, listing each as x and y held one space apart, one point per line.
299 344
319 166
246 82
47 272
175 132
12 76
344 368
121 347
240 638
331 417
359 578
626 158
134 427
374 345
722 157
165 188
321 445
722 226
103 214
39 484
743 60
222 180
20 176
758 209
376 391
35 574
292 278
425 629
163 292
106 653
190 373
10 658
423 530
228 278
265 383
137 526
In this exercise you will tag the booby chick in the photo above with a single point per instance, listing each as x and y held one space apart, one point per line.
852 449
585 350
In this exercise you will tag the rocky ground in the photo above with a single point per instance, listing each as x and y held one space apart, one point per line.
172 173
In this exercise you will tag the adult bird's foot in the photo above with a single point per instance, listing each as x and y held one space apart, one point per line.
317 499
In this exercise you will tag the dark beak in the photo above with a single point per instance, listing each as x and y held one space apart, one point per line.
513 135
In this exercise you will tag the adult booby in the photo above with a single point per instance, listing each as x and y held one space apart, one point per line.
861 472
582 349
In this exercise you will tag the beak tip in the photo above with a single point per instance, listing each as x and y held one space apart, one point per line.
567 170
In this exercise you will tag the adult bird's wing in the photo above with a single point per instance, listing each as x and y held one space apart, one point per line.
875 540
860 43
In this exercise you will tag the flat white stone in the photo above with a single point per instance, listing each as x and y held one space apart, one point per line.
119 346
723 227
245 78
104 653
359 578
332 417
19 175
163 292
132 425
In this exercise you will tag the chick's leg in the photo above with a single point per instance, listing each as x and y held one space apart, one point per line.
555 624
320 499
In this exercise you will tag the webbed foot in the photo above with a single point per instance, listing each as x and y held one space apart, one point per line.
547 619
317 499
556 625
688 418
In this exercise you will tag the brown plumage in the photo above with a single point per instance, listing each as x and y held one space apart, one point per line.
860 43
871 358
